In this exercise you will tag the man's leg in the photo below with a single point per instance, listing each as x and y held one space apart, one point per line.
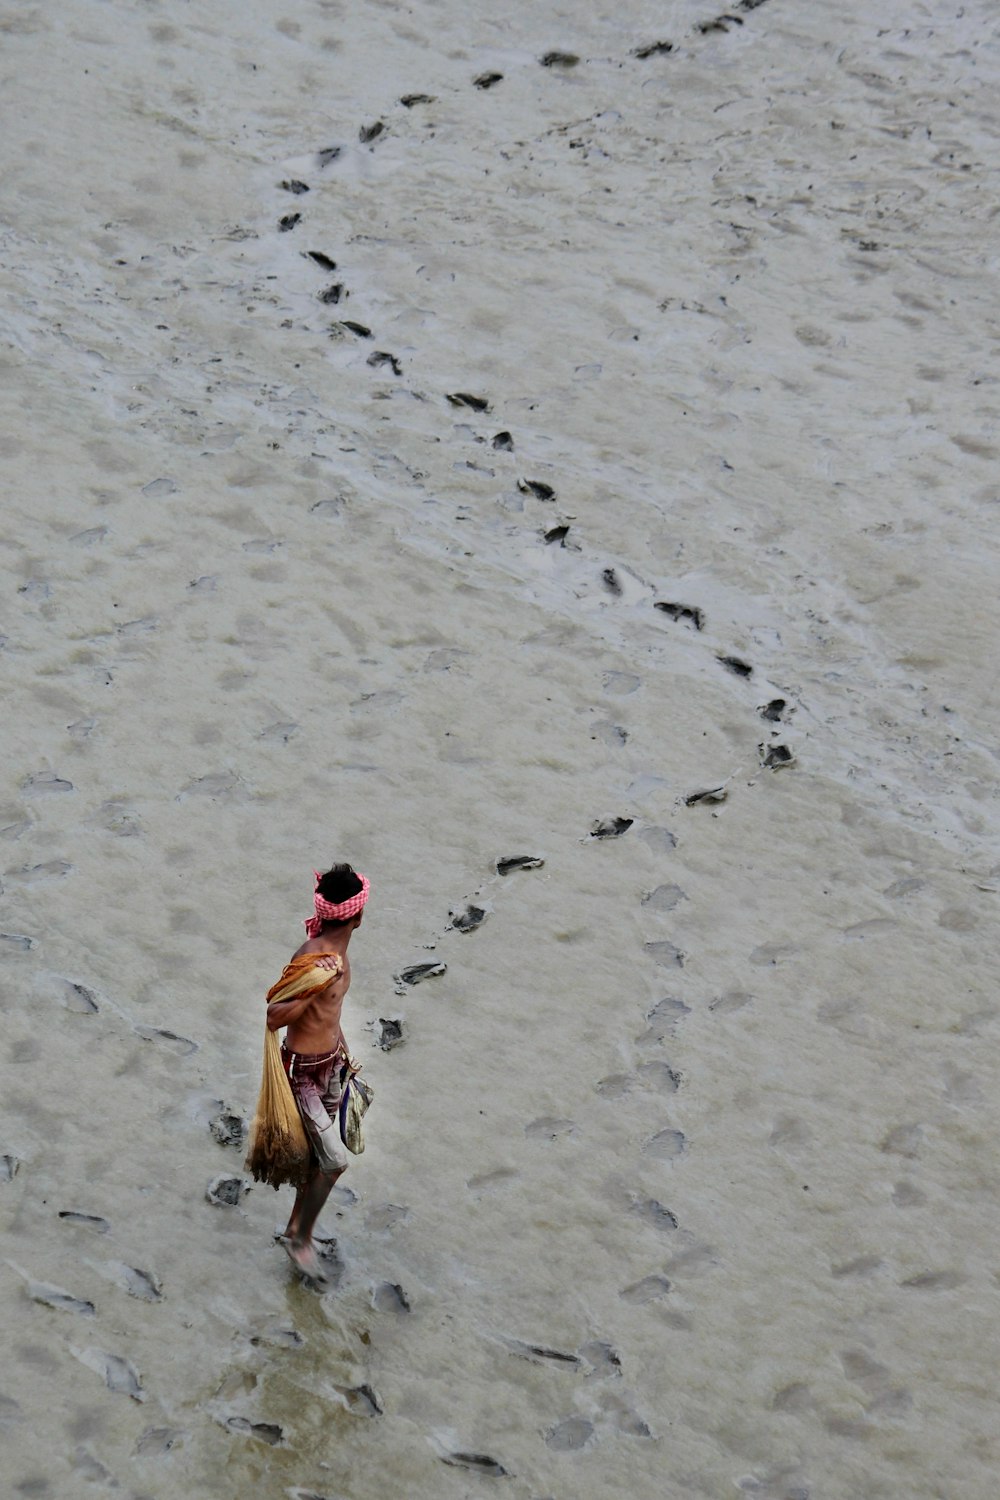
319 1110
309 1203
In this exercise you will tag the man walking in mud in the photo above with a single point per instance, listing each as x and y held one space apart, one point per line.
302 1143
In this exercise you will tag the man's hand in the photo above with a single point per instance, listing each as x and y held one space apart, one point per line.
329 961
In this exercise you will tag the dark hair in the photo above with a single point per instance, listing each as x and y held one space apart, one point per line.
339 883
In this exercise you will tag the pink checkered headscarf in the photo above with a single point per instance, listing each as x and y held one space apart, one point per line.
340 911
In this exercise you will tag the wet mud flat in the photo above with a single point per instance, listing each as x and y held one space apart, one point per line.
553 468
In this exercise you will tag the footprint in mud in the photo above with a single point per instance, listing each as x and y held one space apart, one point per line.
773 711
611 582
226 1192
503 442
623 1416
649 1289
157 487
796 1396
862 1265
667 955
45 782
549 1128
487 80
327 155
381 357
183 1046
731 1001
664 898
156 1441
487 1181
653 49
933 1281
688 614
789 1130
386 1216
721 23
692 1262
906 1194
613 735
611 828
141 1284
538 488
278 1338
569 1435
773 757
229 1129
477 1463
391 1034
323 261
417 973
264 1432
8 1167
665 1145
884 1398
770 955
17 942
288 222
602 1358
55 1296
904 887
663 1020
92 1222
53 869
614 1086
519 862
369 133
709 795
559 60
652 1212
658 1075
389 1297
539 1354
903 1140
331 294
736 665
409 101
360 1400
119 1374
469 918
659 840
280 733
294 185
463 398
621 684
873 927
79 998
91 1469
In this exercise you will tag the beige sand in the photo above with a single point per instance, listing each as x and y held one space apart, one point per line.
683 1179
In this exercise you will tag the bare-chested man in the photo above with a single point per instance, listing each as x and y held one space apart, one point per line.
315 1052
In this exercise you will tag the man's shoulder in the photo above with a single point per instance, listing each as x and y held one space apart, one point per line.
324 957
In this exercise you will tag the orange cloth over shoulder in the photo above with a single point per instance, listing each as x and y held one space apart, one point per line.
279 1149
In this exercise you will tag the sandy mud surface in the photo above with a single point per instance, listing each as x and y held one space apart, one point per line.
556 435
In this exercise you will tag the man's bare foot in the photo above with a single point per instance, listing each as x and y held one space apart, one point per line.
304 1258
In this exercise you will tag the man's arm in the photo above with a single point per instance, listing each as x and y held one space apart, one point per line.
284 1012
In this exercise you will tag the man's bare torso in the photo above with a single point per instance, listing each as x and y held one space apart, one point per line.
318 1028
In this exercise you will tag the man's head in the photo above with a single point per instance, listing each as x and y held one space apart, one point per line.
338 901
338 885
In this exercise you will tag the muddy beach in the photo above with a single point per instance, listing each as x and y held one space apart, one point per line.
547 458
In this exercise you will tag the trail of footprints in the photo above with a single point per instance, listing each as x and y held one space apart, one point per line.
226 785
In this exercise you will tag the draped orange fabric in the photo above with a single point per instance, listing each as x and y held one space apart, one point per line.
278 1149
